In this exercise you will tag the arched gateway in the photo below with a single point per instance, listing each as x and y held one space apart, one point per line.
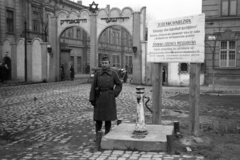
94 24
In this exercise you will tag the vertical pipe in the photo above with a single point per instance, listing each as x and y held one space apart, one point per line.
170 144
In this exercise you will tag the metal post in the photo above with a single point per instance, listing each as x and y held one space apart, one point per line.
25 24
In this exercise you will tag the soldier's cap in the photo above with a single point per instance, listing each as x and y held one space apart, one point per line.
105 58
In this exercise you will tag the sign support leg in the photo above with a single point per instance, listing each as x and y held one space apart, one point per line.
157 92
194 94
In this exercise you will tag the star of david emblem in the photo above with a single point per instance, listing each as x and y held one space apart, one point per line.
93 7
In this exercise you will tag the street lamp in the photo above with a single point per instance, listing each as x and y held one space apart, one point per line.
134 48
49 48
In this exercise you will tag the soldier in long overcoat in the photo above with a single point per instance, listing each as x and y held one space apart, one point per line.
106 86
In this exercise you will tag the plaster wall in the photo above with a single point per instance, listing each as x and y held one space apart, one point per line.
176 79
36 61
29 62
44 60
6 48
10 3
20 57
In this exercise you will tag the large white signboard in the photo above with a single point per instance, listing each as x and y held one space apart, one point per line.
177 40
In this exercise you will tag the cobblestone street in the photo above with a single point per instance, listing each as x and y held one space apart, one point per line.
54 121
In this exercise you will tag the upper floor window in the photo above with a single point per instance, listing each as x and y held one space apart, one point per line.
35 19
229 7
78 33
227 56
10 21
109 36
117 39
113 38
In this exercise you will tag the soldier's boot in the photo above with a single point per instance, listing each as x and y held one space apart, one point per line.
107 127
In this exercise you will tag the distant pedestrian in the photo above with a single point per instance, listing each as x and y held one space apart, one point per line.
7 64
62 72
106 86
72 73
2 72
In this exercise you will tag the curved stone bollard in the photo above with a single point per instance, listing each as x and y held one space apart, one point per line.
140 128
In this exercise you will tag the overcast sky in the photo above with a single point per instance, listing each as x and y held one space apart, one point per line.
157 9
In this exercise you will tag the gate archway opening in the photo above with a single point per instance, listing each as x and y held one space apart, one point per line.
116 43
74 50
94 24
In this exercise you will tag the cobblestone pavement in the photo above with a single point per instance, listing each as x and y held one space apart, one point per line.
54 121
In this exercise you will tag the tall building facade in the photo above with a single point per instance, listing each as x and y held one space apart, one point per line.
32 17
222 44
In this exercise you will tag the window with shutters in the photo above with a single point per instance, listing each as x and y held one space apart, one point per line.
36 19
227 55
229 7
116 61
10 21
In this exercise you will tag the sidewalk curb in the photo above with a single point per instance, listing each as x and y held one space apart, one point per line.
216 94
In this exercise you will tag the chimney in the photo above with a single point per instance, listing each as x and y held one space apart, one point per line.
108 7
79 2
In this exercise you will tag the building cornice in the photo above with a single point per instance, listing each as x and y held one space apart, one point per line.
67 3
209 19
73 4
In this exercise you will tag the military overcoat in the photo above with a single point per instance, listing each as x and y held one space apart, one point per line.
105 87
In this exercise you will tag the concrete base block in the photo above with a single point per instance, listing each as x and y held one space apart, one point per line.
121 138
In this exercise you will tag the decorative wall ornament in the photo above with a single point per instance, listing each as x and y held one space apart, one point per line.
93 7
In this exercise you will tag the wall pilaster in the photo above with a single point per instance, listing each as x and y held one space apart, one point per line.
93 42
54 42
2 21
18 20
137 73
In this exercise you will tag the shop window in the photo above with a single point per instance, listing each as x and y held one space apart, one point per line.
128 64
70 32
109 36
117 39
113 38
78 33
116 61
10 21
229 7
227 55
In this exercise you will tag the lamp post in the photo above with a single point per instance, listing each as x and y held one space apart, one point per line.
49 48
25 45
134 48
